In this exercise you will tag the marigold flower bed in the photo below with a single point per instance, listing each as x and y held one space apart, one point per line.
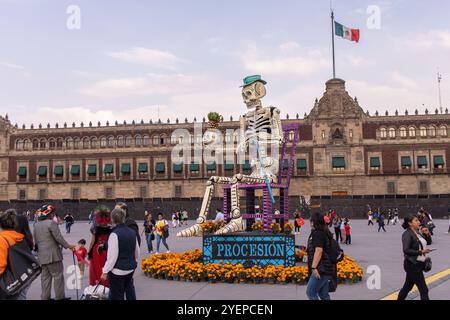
188 266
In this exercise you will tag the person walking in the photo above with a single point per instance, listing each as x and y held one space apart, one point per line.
415 252
149 227
162 232
390 216
9 237
370 218
396 217
48 243
69 220
122 259
299 222
320 267
348 236
381 222
337 227
98 247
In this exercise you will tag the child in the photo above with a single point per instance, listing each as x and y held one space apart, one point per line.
81 254
348 237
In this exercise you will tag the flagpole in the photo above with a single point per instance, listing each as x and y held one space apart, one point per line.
332 41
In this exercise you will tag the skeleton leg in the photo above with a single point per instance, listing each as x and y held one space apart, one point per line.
236 223
195 230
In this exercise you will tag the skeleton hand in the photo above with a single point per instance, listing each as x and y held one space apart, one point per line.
242 147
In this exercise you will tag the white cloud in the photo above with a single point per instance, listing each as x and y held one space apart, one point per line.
403 80
289 46
12 66
149 57
432 39
151 84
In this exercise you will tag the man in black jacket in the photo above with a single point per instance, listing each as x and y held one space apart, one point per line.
129 222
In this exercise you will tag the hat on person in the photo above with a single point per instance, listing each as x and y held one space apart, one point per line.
45 210
252 79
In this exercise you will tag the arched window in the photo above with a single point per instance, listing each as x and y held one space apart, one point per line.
42 144
94 143
174 139
35 144
86 143
443 131
120 141
146 141
103 142
156 140
432 131
27 144
69 143
423 131
291 135
76 143
128 141
59 143
52 143
383 133
19 144
412 132
403 132
138 141
162 140
392 133
111 142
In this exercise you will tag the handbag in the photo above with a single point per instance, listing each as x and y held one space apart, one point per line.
93 293
427 264
21 270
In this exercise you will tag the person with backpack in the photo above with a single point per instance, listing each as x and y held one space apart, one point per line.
162 232
48 243
323 254
8 238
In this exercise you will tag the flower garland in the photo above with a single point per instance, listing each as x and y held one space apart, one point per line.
188 266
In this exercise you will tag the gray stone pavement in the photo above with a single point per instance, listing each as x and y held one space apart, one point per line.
369 248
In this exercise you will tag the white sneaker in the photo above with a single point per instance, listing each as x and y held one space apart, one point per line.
168 251
156 252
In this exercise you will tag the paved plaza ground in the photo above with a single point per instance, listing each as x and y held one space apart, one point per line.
369 248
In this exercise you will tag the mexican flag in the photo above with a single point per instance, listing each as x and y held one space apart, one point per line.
346 33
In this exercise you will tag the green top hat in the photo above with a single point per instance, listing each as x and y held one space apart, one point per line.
252 79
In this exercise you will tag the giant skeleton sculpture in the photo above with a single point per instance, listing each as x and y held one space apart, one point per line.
259 127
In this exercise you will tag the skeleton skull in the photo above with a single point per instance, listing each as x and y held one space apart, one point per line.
253 94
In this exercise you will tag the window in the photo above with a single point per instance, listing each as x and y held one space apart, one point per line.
412 132
323 135
229 166
19 145
247 166
42 194
211 167
103 142
58 171
194 167
391 188
22 194
59 143
22 172
42 171
432 131
92 170
75 170
375 164
403 132
69 143
143 192
422 162
438 162
109 193
383 133
392 133
162 140
143 168
350 133
42 144
423 187
76 143
178 192
111 142
291 135
86 143
160 167
302 164
138 141
156 140
125 169
286 164
93 143
52 144
109 169
146 141
338 164
173 139
406 163
178 167
443 131
35 144
423 132
120 141
76 193
128 140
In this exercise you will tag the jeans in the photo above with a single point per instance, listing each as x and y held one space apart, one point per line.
148 237
414 276
68 226
370 223
158 242
381 226
348 239
337 231
317 289
121 287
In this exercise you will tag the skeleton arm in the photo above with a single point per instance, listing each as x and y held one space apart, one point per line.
277 129
243 140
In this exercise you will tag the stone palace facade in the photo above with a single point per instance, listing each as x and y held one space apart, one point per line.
343 154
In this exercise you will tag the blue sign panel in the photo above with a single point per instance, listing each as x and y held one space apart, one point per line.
250 249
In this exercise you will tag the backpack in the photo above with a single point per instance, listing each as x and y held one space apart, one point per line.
21 270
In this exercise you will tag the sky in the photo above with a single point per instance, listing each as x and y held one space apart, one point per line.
135 59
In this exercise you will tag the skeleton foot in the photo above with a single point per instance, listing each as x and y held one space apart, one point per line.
193 231
235 225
